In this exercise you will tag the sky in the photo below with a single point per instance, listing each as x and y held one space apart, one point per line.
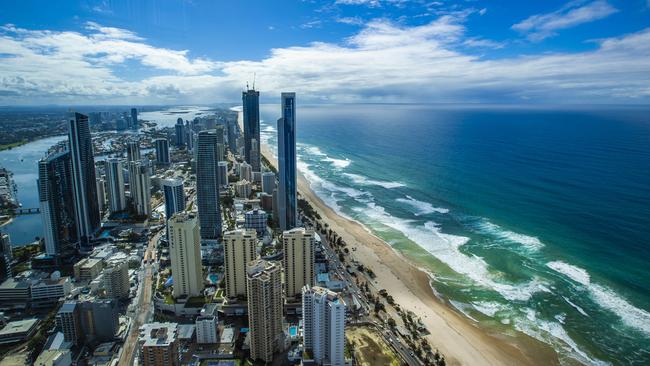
149 52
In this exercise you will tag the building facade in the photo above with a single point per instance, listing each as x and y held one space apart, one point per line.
162 151
298 245
287 195
265 307
140 186
239 249
83 178
114 171
268 182
159 345
207 185
256 220
174 196
185 252
251 103
323 313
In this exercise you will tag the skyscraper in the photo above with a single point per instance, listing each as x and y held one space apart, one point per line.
134 119
101 194
287 204
56 201
264 290
298 260
133 150
140 186
174 196
239 249
221 144
185 252
116 279
115 181
207 185
323 319
162 151
223 173
268 182
179 128
251 103
83 178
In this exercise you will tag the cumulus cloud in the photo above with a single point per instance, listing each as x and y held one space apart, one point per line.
383 62
541 26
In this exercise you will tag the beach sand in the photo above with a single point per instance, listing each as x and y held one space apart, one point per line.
461 341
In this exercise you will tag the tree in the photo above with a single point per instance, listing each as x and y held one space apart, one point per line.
391 322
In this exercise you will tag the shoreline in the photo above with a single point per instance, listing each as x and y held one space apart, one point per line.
461 341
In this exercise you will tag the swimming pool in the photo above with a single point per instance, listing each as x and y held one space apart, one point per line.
293 331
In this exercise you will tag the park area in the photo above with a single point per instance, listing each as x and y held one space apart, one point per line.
369 348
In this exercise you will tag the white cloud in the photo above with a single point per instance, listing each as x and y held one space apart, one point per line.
541 26
370 3
383 62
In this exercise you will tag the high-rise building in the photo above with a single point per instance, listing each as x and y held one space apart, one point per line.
189 136
134 119
256 220
162 151
140 186
221 143
5 256
179 128
159 344
245 172
264 288
323 319
206 325
243 189
115 182
223 173
251 103
268 182
239 249
231 126
174 196
287 203
116 279
99 319
185 252
298 260
133 150
69 323
56 202
101 194
84 181
207 185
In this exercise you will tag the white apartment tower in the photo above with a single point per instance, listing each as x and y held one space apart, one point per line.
185 251
239 248
323 316
298 260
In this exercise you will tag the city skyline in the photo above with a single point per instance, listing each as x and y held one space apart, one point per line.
119 53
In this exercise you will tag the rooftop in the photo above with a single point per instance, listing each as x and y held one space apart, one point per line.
18 326
158 334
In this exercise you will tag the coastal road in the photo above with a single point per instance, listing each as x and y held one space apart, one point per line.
143 308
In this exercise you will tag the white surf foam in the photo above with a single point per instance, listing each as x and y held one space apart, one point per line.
338 163
529 242
489 308
360 179
580 310
607 298
446 248
421 207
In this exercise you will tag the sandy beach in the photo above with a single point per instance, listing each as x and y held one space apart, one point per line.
461 341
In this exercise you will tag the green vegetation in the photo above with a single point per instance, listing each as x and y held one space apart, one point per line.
12 145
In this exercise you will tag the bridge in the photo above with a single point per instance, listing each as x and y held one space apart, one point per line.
22 211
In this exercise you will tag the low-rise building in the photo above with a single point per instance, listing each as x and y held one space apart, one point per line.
159 344
54 357
18 331
87 269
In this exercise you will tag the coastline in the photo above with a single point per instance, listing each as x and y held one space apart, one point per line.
461 341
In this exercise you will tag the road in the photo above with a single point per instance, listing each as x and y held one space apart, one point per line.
144 301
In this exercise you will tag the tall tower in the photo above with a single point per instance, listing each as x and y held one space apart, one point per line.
251 103
298 260
162 151
264 308
179 128
185 252
174 196
140 185
134 118
207 185
83 178
133 150
323 317
56 201
287 204
239 249
115 182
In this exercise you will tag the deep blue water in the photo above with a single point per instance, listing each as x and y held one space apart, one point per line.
531 220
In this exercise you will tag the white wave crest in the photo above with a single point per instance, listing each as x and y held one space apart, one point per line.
489 308
360 179
605 297
446 248
338 163
421 208
529 242
580 310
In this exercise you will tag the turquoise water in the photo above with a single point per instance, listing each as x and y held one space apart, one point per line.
532 221
293 331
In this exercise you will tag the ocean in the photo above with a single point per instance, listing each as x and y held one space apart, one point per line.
531 220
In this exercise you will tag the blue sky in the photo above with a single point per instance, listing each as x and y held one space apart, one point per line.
161 52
